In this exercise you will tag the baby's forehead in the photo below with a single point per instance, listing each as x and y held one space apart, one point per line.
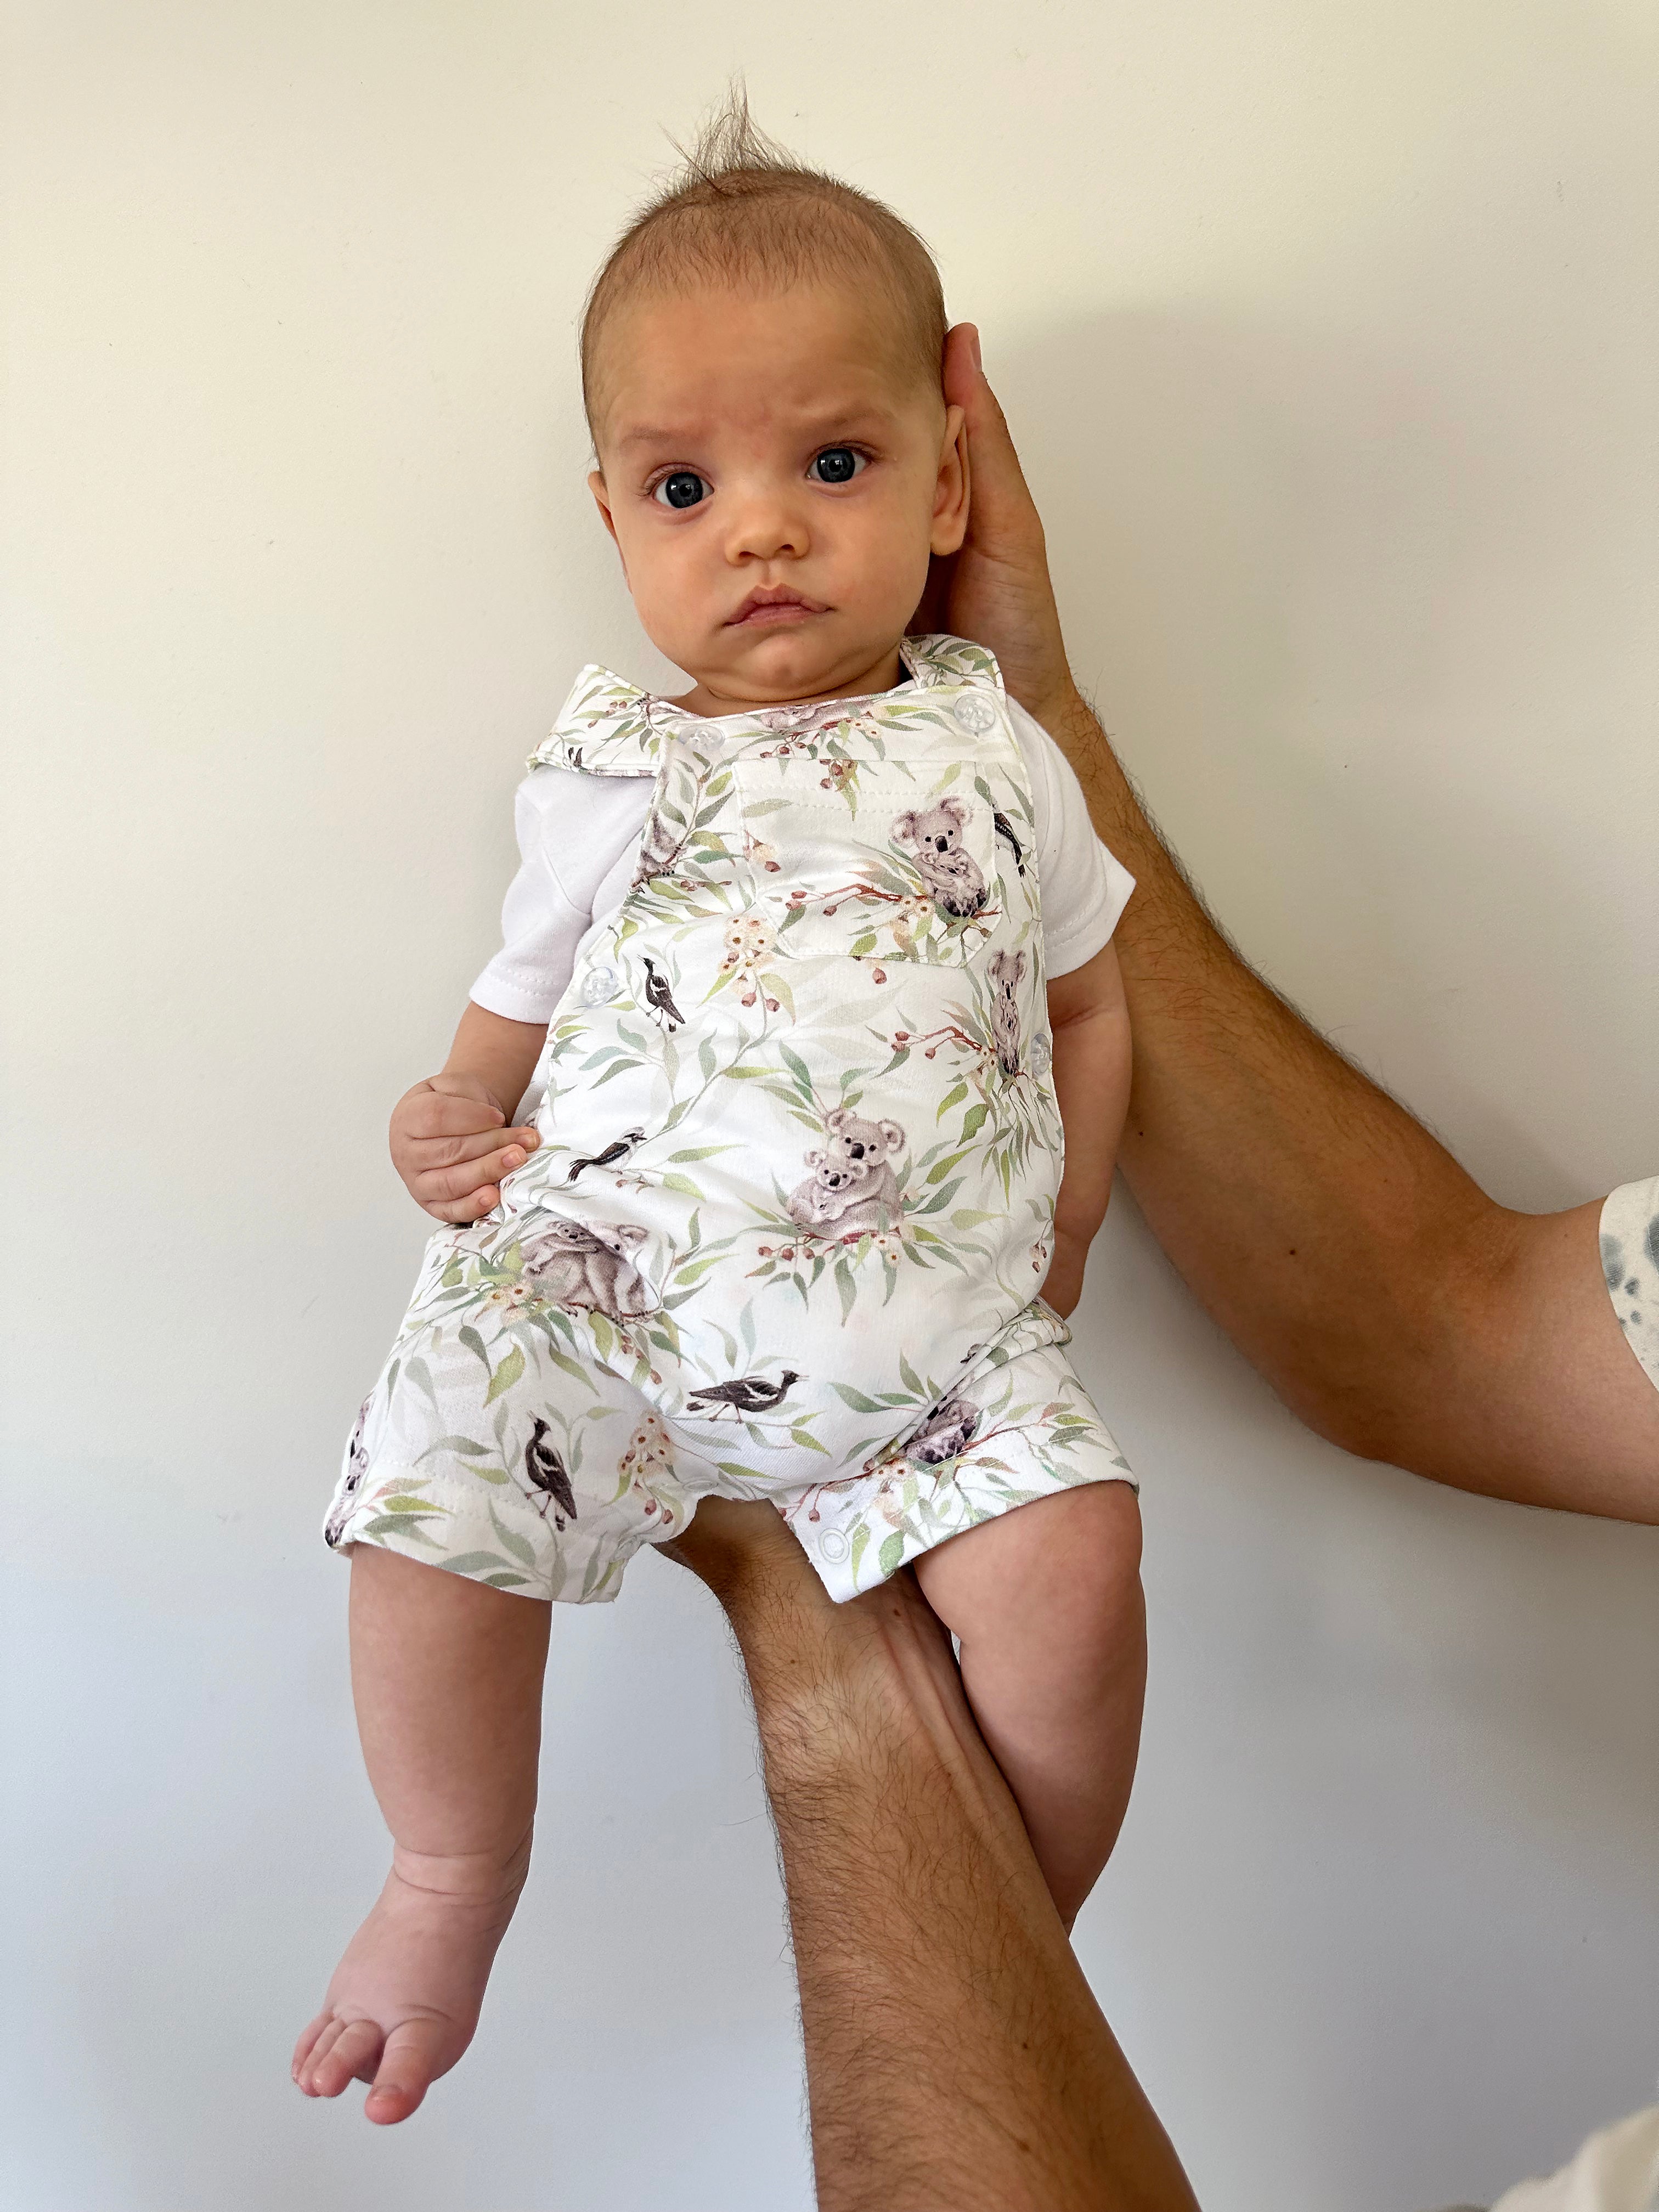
712 355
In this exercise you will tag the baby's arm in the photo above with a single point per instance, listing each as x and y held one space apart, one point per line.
1089 1019
449 1138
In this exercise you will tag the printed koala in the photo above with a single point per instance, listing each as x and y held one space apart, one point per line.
807 984
851 1185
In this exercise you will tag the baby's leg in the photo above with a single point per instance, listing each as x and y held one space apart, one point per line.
1046 1602
447 1678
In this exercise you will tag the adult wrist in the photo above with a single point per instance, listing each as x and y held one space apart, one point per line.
1064 712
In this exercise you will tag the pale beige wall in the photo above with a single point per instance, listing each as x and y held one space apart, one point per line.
1328 333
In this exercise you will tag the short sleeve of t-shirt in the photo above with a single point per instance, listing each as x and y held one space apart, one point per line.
1085 888
579 840
1630 1260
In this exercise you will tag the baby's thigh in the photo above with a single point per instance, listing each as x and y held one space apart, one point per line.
1066 1568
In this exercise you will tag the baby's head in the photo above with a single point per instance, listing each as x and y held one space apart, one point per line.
761 366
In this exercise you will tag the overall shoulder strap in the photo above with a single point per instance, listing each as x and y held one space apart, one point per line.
940 661
604 728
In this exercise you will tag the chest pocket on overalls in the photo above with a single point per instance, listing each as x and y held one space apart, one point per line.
880 865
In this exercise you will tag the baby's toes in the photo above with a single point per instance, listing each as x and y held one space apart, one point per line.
344 2051
417 2052
300 2065
314 2046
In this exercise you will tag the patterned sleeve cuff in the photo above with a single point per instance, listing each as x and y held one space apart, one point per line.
1630 1260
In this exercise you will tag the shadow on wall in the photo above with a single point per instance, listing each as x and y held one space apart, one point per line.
1350 627
1304 586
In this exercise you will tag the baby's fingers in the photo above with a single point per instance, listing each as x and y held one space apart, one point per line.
414 2058
460 1211
462 1186
428 1113
431 1154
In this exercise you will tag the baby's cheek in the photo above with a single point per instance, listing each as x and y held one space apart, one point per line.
672 611
885 564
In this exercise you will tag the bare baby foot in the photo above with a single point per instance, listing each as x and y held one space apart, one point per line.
404 2000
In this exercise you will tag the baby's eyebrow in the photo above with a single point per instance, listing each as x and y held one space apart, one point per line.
868 417
649 436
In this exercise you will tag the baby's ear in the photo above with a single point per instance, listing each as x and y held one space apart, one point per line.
951 488
602 500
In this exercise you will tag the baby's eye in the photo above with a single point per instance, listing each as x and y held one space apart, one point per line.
837 464
684 489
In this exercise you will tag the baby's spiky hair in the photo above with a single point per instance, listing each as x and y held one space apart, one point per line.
742 211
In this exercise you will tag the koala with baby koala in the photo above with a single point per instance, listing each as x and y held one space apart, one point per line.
931 836
1007 972
851 1187
587 1270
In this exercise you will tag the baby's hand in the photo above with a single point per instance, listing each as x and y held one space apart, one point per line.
450 1146
1062 1286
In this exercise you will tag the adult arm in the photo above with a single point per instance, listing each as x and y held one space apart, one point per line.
955 2059
1393 1305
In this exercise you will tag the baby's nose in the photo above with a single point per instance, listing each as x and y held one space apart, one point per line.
765 521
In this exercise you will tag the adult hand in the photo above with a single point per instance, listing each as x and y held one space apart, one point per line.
741 1550
996 590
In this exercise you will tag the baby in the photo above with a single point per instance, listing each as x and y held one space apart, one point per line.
811 967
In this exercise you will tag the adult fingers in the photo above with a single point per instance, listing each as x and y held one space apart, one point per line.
999 589
727 1544
413 2058
1002 499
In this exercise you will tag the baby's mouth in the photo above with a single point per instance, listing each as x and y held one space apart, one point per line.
773 603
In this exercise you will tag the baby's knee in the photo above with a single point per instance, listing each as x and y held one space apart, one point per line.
1092 1604
1074 1557
1091 1536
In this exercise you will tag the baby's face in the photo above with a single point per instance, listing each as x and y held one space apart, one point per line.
775 484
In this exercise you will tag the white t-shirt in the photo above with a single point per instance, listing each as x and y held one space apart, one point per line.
579 844
1617 2170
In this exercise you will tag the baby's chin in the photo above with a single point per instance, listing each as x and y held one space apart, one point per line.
784 664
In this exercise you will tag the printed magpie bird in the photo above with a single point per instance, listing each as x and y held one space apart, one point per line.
745 1394
546 1471
658 996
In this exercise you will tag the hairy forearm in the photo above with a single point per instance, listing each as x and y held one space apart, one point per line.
503 1054
1392 1304
955 2059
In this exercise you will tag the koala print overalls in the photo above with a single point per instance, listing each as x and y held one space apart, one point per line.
796 1183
